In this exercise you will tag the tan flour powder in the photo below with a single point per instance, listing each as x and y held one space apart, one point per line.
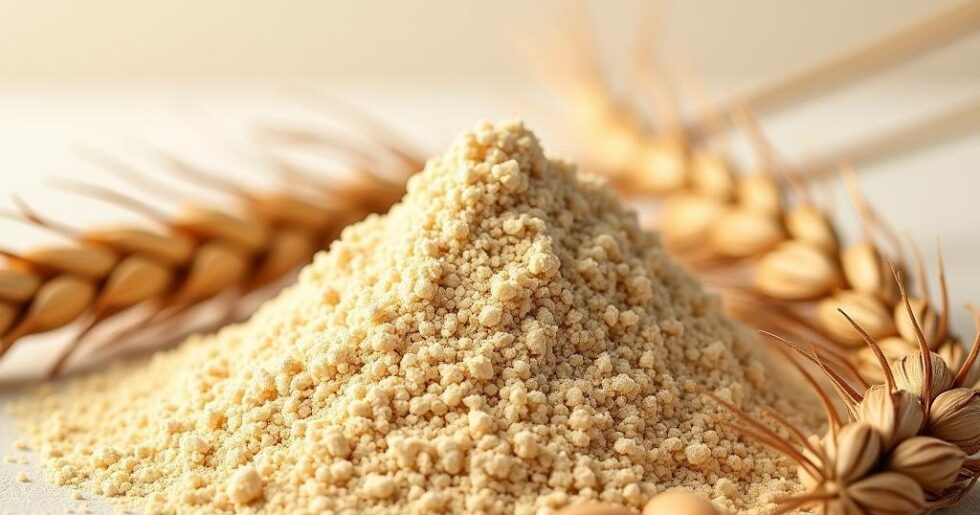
505 340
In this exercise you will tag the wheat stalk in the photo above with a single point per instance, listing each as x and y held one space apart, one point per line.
200 254
759 237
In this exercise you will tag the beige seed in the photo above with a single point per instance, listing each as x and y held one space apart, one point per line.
955 418
173 249
740 232
17 285
211 224
796 270
866 271
288 249
711 176
759 192
89 262
808 223
285 209
869 313
933 463
216 266
58 302
134 280
663 167
687 218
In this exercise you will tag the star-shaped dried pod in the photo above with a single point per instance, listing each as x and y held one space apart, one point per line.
884 493
910 373
932 462
955 418
895 414
853 452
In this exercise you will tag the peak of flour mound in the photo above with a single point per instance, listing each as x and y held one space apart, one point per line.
506 339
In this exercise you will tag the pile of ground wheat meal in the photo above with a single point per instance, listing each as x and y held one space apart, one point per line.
505 340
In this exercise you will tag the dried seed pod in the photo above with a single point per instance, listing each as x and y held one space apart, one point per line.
856 450
887 492
896 415
797 270
17 285
711 176
910 376
866 310
893 348
926 317
808 223
740 233
687 218
931 462
955 418
663 167
953 353
759 192
89 262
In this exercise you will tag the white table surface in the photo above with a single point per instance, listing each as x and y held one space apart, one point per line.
936 192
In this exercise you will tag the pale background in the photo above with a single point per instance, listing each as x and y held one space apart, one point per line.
193 76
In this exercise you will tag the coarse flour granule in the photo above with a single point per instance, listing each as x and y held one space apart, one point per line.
505 340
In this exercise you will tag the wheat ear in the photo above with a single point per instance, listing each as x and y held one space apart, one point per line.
197 255
761 237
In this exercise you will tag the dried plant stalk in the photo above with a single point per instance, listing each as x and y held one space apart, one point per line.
201 253
760 237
